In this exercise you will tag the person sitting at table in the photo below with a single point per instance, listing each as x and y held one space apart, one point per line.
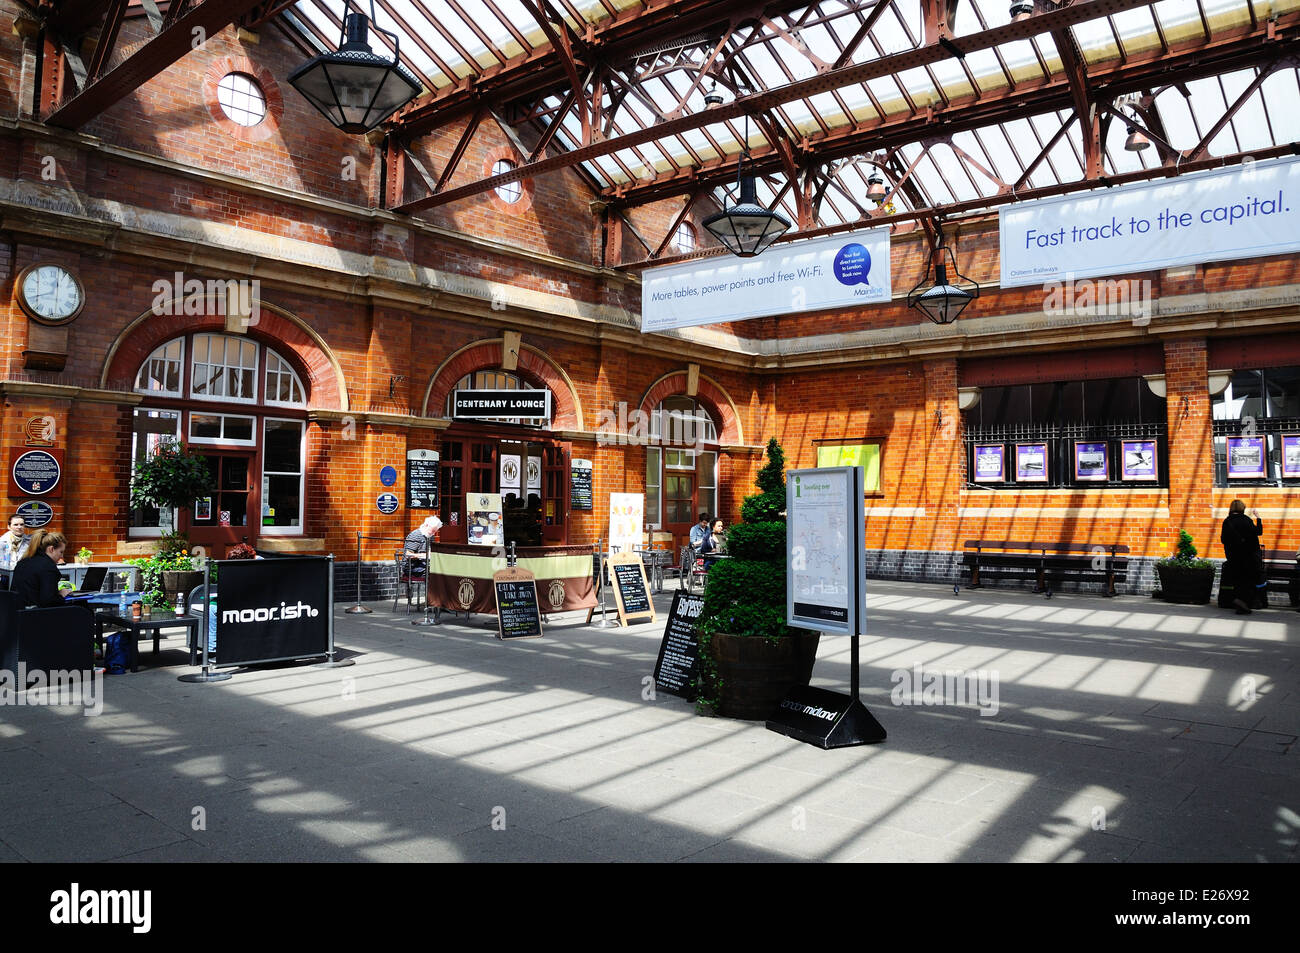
714 546
699 533
37 577
13 543
418 540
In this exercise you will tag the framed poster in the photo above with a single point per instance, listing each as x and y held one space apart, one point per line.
1246 460
203 508
825 589
865 455
1091 460
1138 460
1031 463
1291 454
990 463
626 521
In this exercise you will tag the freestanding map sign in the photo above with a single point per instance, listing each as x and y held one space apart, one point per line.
826 592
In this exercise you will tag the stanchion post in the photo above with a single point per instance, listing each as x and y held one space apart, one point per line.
428 573
604 622
330 660
206 675
357 608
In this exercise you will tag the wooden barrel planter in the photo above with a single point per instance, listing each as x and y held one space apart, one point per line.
176 585
1185 586
756 675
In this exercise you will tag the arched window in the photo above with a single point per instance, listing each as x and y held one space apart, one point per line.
684 239
243 406
681 465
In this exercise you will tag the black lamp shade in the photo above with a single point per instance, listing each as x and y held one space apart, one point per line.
747 229
942 302
354 88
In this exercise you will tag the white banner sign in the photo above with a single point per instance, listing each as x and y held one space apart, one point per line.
1236 213
837 272
626 521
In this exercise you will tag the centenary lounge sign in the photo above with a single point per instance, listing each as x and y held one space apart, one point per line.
842 271
1235 213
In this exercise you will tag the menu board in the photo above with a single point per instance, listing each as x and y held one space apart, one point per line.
679 652
483 525
422 480
824 538
580 497
518 616
631 591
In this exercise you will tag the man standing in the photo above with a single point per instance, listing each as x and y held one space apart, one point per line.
700 532
13 543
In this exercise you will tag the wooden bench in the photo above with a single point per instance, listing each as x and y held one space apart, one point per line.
1040 560
1282 566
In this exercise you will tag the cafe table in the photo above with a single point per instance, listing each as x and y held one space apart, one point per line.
112 615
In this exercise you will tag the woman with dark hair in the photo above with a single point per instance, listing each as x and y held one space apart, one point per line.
1243 558
37 577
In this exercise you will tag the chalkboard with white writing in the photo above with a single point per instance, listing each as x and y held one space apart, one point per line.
518 616
679 652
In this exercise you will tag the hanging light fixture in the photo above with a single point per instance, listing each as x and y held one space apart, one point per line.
1022 10
1137 140
713 97
876 190
746 228
355 88
942 302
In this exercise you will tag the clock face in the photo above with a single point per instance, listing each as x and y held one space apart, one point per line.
51 293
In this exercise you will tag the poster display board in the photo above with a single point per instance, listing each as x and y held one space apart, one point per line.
1241 212
1246 460
841 271
679 652
825 519
580 496
631 589
483 524
1140 460
511 467
1031 463
273 610
990 463
865 455
518 616
1091 460
626 521
1290 455
422 480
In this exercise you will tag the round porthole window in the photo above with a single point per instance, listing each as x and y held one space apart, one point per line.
241 99
511 192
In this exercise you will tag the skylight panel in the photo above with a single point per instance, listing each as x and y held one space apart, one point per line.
887 94
889 33
1281 93
958 176
1176 116
824 105
819 42
1249 124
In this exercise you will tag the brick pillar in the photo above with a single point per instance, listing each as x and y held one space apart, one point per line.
1191 446
945 458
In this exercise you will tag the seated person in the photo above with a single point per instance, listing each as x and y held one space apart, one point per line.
418 541
36 578
715 544
13 543
699 533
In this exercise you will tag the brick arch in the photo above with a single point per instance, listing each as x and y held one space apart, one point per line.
534 367
709 392
305 351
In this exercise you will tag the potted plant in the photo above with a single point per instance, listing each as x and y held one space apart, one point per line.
178 570
749 658
83 557
1184 578
171 478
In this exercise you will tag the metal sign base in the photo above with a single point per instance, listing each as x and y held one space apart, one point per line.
357 610
804 717
205 677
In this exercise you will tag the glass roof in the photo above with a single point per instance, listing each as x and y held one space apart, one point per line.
445 41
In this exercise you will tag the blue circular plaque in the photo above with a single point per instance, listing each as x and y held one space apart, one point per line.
387 503
35 513
388 476
37 472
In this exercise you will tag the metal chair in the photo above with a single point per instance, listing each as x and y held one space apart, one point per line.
690 569
406 578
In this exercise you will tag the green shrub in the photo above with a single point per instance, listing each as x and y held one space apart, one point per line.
1185 557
